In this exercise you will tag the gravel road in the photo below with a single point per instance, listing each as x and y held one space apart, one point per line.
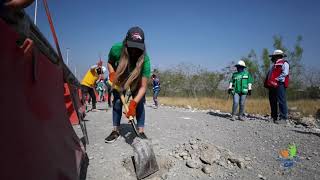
179 134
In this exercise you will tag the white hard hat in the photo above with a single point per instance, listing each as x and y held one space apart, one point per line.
278 52
241 63
104 69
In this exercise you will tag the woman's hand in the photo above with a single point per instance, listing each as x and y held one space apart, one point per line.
132 109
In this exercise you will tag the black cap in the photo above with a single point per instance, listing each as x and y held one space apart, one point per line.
135 38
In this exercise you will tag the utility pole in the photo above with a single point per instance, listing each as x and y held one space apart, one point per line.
68 56
75 72
35 12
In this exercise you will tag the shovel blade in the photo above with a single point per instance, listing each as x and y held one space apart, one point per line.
144 160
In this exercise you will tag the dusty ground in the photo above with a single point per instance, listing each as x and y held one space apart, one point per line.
175 130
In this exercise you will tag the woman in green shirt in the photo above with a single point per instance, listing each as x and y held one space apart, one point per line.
240 86
129 66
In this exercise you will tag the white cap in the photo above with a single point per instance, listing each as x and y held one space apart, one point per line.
241 63
278 52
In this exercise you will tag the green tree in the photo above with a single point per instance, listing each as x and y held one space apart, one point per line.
265 61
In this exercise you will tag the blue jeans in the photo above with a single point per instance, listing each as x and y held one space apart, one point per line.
117 110
236 99
277 96
155 97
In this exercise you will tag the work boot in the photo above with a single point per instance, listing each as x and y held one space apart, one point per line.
112 137
143 135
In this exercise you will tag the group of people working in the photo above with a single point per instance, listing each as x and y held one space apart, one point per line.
129 68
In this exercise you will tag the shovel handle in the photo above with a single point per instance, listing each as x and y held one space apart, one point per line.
131 120
125 106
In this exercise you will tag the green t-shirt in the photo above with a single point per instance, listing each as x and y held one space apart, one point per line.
114 58
240 81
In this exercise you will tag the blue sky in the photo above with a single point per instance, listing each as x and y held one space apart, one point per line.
206 32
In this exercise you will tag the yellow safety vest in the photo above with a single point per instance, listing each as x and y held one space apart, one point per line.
90 78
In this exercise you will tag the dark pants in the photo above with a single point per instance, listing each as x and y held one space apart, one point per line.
277 96
85 91
117 110
109 96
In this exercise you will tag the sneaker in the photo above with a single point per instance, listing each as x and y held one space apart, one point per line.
242 118
112 137
143 135
233 118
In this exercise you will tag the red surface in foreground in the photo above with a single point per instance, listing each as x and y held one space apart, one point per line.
37 138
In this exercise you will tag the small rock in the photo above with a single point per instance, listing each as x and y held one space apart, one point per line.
185 157
195 147
176 156
223 164
207 169
308 158
299 126
183 154
238 161
307 121
192 142
91 157
249 167
261 177
193 164
247 159
164 176
210 155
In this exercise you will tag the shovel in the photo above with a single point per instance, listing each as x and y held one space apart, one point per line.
144 160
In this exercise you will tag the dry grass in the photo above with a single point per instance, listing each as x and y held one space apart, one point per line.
254 106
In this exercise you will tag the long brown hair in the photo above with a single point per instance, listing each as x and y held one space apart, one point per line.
135 76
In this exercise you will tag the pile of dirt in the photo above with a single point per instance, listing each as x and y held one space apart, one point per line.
208 157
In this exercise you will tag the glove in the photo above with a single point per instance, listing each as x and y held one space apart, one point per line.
132 109
112 76
229 91
249 92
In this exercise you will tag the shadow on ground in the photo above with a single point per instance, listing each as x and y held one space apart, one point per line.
307 132
219 114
